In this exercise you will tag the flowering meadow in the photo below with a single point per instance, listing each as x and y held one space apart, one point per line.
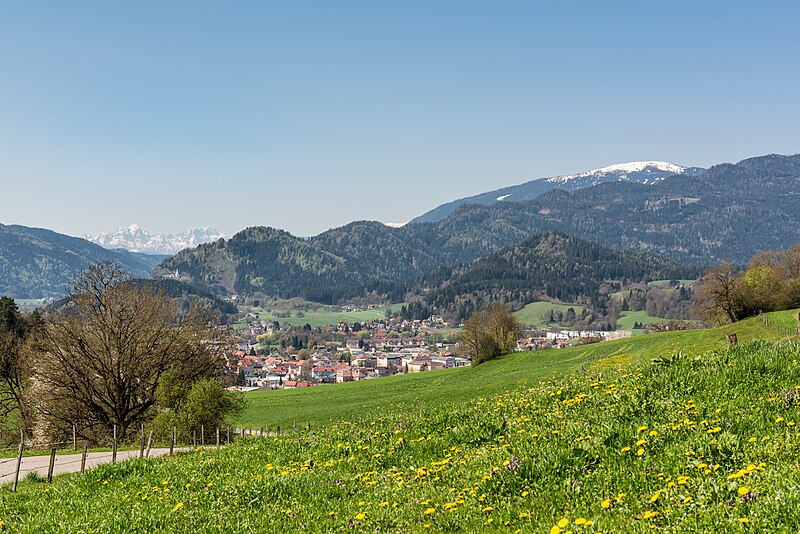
680 443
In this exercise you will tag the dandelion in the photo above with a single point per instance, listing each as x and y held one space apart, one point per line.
743 490
640 452
605 505
744 520
429 511
177 507
360 516
563 522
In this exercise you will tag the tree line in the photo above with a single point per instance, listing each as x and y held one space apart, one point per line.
770 282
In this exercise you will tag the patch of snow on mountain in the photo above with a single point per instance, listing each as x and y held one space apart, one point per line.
395 225
501 198
135 239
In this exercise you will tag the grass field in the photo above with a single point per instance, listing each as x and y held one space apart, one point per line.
323 404
321 316
697 441
531 315
628 318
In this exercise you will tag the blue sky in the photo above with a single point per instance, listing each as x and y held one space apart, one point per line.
308 115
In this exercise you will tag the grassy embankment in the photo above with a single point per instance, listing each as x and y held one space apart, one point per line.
705 441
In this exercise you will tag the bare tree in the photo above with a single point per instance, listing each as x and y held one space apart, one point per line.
105 351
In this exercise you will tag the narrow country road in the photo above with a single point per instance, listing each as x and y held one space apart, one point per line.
66 463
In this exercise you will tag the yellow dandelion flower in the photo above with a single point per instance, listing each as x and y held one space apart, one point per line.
177 507
743 490
360 516
429 511
563 522
744 520
606 504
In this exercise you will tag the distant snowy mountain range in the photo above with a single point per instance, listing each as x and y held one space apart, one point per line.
643 172
134 239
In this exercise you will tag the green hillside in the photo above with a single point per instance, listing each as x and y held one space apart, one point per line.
697 442
324 404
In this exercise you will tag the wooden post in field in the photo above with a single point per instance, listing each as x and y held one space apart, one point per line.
294 425
202 436
141 447
217 437
279 430
51 466
172 440
19 458
74 438
149 444
114 450
308 426
243 432
732 340
83 459
228 440
798 324
194 438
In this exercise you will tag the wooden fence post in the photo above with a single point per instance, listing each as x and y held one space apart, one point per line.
217 437
194 438
74 438
228 440
294 426
172 440
83 459
141 447
149 444
114 450
19 458
51 466
202 436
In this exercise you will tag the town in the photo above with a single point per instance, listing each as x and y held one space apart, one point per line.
351 352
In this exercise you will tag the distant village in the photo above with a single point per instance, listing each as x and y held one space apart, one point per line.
365 351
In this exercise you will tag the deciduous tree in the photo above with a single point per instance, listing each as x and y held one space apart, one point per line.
106 350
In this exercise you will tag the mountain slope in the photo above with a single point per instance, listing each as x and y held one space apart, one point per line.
552 265
36 263
643 172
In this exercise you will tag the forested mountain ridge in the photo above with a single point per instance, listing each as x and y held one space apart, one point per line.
36 263
552 265
729 212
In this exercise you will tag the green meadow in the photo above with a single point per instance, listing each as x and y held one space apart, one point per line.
531 315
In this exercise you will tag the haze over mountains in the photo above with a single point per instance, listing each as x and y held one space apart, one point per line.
643 172
135 239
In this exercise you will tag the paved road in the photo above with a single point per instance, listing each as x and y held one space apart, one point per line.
67 463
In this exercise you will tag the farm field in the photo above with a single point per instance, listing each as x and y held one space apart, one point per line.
323 404
707 441
531 314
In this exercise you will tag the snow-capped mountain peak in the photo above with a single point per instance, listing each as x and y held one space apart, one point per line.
659 170
135 239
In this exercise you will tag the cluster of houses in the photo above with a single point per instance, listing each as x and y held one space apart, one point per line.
327 367
564 338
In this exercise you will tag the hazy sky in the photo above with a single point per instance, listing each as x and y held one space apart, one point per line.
308 115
